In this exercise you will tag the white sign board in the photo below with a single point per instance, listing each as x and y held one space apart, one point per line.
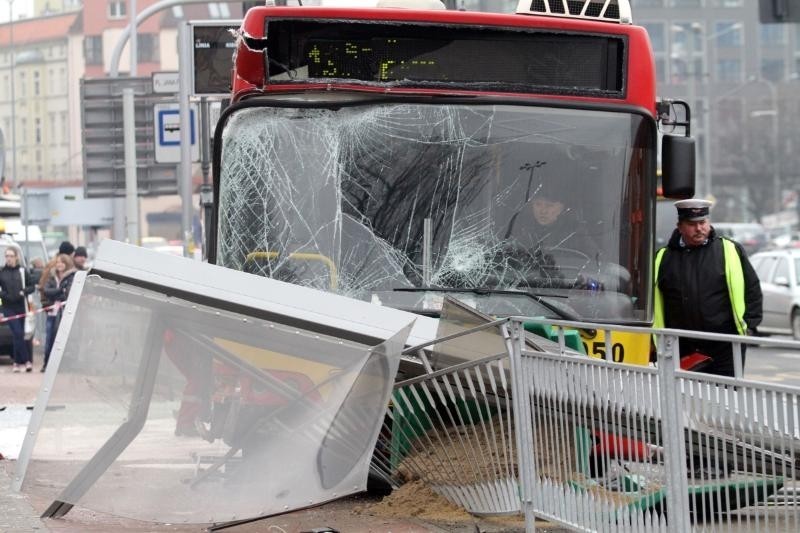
165 82
168 132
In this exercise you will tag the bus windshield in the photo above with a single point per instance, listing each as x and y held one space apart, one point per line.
382 201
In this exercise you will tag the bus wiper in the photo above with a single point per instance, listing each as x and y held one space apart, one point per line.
482 291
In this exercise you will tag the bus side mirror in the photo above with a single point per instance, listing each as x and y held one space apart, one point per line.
677 166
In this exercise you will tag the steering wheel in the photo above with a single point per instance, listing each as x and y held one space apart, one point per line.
544 268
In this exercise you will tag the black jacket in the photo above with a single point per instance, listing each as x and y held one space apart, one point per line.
695 289
56 291
11 287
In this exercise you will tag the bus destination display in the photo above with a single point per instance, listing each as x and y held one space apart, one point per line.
407 54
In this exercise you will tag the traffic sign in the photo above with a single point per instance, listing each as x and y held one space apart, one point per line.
168 132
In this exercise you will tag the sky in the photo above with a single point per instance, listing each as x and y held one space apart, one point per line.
21 7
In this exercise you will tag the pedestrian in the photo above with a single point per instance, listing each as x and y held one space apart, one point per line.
48 273
67 248
15 286
704 282
79 258
56 290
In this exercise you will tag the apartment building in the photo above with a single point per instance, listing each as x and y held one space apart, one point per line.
34 56
743 81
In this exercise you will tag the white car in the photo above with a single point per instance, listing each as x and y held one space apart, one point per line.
779 273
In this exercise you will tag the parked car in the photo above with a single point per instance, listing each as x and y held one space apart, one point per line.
6 345
779 274
752 236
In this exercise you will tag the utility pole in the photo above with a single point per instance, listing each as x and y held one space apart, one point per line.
13 92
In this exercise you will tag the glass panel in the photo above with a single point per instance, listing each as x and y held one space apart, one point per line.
797 271
729 34
781 270
772 34
525 199
765 268
172 411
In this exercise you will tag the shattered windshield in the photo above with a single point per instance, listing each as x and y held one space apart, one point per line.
365 199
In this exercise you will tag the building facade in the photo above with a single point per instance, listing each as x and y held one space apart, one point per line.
743 81
34 112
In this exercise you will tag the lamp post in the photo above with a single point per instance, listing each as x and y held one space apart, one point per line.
13 91
776 163
692 73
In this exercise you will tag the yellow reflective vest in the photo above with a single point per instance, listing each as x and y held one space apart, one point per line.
734 275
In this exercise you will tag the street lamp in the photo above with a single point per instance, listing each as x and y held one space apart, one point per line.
692 73
773 114
13 91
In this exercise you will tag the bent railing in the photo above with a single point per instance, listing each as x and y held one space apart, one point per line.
594 445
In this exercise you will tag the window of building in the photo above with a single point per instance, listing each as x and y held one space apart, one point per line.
23 82
23 130
729 34
773 69
117 9
51 127
37 87
93 49
37 131
686 51
6 88
147 47
729 70
38 157
62 80
728 125
772 35
657 37
64 126
218 11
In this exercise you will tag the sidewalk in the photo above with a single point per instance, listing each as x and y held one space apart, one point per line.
20 513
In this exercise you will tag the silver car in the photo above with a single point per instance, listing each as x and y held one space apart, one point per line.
779 273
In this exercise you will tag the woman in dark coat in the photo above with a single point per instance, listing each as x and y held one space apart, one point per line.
56 290
15 286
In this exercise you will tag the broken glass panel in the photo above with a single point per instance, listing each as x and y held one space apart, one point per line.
167 410
539 200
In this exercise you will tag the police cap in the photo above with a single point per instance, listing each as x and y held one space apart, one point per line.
693 209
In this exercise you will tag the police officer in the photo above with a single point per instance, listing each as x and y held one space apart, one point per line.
705 282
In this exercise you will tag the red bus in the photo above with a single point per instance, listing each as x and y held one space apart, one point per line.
400 155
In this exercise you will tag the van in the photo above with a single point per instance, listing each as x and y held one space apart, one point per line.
752 236
31 242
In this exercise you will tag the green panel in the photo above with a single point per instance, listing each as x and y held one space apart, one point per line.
572 338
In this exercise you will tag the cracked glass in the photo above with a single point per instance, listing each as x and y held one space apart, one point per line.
544 202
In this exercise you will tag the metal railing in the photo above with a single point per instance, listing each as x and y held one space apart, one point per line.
600 446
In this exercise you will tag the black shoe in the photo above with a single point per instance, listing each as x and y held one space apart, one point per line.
43 369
